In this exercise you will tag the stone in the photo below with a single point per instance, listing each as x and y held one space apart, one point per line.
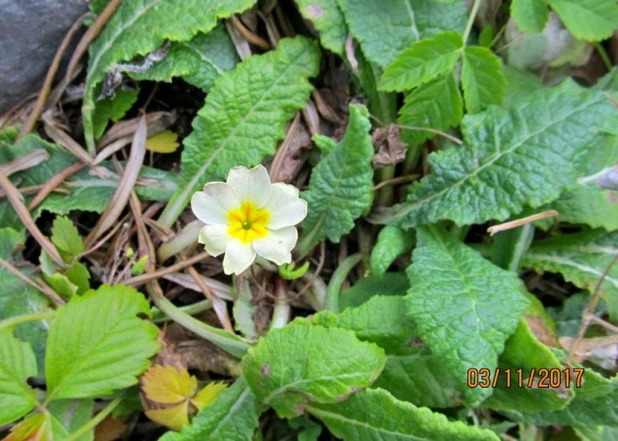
31 31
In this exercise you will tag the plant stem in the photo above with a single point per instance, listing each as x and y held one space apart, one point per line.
159 316
185 238
93 422
282 310
27 318
339 276
473 12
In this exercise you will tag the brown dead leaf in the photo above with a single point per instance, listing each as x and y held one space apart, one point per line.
390 150
602 351
541 331
110 429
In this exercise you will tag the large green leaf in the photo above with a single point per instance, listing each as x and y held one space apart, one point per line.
199 61
581 258
423 61
386 28
510 159
140 27
464 307
482 79
341 185
244 116
392 242
233 416
374 414
328 20
390 284
590 20
98 344
17 363
530 15
300 364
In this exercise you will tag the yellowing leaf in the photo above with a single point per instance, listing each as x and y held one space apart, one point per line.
164 142
173 417
207 395
34 428
166 385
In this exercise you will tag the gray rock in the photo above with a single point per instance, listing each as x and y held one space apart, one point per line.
31 31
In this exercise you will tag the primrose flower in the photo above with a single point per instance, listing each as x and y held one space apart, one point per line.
248 216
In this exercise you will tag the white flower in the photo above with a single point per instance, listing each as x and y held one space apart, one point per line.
247 216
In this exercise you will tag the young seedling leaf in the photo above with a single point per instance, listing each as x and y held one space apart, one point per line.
392 242
66 237
482 79
167 385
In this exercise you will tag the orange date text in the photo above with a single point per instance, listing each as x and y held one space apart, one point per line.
531 378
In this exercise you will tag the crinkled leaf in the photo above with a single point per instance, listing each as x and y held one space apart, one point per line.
300 364
374 414
481 78
422 61
384 30
392 242
590 20
391 284
167 385
437 105
530 15
341 185
199 61
98 344
17 363
510 159
328 20
233 416
137 28
464 307
581 258
259 96
66 237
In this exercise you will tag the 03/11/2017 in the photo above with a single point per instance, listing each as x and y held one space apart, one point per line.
537 378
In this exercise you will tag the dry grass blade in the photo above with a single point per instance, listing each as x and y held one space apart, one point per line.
49 78
523 221
140 280
125 186
111 149
16 200
25 162
54 182
63 139
248 35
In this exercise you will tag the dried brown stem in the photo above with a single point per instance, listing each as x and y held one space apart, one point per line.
140 280
523 221
248 35
25 162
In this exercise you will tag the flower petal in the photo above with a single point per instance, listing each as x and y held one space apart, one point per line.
278 245
250 184
212 205
215 239
238 257
285 207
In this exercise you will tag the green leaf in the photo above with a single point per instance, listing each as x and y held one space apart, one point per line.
454 302
422 61
590 20
341 185
436 104
391 284
328 20
97 343
581 258
233 416
392 242
374 414
301 363
509 160
481 78
138 28
264 92
66 237
381 320
61 284
519 83
112 109
524 351
67 416
199 61
9 241
530 15
385 30
79 276
17 363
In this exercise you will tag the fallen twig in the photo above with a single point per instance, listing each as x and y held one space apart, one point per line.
523 221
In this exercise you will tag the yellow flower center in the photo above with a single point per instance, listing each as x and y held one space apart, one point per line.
248 223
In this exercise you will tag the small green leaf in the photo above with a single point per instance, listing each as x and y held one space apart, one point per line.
66 237
301 363
112 109
139 267
590 20
481 78
392 242
17 363
437 105
290 272
464 307
79 276
328 20
98 344
530 15
391 284
341 185
374 414
61 284
233 416
422 61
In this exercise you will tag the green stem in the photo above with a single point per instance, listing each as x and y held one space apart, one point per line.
27 318
473 12
282 309
93 422
159 316
185 238
604 56
339 276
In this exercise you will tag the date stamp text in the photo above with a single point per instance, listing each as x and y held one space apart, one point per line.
531 378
